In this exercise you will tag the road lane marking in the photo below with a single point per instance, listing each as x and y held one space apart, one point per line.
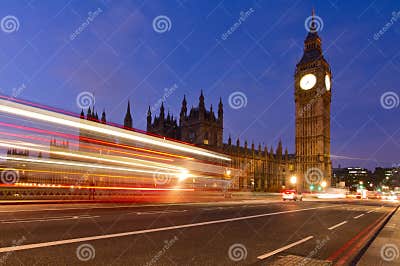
145 231
217 208
284 248
370 211
359 216
46 219
158 212
35 218
336 226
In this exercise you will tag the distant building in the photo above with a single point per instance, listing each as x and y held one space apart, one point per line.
353 177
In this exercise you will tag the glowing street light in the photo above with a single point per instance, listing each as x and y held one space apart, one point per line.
324 184
293 180
183 175
228 172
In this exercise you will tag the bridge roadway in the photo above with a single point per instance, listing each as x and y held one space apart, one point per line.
244 232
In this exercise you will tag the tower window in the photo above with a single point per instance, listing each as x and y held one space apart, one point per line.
205 138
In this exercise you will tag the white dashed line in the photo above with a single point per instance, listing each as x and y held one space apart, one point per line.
284 248
46 219
145 231
158 212
336 226
359 216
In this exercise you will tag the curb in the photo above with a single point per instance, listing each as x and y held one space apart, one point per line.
375 234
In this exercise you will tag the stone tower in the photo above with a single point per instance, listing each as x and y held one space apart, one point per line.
201 126
313 104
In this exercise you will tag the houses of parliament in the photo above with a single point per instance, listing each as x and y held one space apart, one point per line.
262 168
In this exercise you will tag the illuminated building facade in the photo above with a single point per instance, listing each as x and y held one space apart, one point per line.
313 111
259 168
256 169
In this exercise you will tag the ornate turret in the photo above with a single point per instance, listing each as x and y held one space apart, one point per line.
149 119
202 106
103 117
128 117
89 114
183 109
220 111
279 150
162 112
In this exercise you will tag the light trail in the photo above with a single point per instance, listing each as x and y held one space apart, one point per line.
100 175
77 123
85 165
98 158
47 140
107 188
91 140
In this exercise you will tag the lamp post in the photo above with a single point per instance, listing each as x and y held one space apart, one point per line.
323 185
293 180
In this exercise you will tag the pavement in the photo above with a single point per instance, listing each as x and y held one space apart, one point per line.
239 232
384 249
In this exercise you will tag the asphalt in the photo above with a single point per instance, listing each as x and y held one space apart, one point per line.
247 232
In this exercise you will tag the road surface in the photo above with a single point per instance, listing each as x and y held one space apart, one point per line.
248 232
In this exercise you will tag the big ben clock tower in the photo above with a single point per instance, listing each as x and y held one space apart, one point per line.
313 104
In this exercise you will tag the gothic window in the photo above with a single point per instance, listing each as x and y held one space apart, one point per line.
206 138
192 136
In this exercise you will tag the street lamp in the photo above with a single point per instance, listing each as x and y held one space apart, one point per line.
323 184
293 180
228 172
183 175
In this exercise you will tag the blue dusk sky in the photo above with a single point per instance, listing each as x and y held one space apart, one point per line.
52 51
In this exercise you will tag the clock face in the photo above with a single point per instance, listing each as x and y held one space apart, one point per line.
308 81
327 82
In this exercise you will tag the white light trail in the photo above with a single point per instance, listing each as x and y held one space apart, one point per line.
60 119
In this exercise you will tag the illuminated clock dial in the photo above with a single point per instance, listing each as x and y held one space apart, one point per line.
308 81
327 82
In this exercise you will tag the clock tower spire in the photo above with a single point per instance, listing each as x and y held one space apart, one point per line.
313 104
